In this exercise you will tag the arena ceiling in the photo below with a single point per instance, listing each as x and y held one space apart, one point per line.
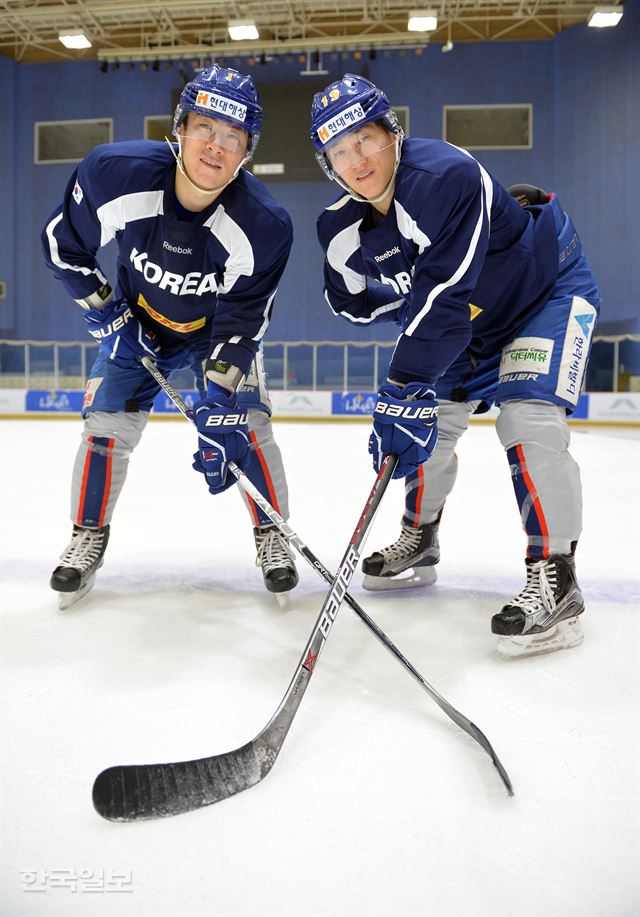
123 30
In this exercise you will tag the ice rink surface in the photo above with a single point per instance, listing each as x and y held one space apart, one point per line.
377 804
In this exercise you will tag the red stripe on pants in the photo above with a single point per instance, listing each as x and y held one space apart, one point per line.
537 506
267 476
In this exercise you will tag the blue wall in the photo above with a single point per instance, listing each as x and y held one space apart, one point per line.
585 93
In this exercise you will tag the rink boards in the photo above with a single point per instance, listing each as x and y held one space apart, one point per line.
612 408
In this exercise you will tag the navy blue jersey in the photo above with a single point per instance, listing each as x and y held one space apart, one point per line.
456 261
213 277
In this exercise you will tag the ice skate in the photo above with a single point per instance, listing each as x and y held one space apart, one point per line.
409 561
276 560
82 558
544 617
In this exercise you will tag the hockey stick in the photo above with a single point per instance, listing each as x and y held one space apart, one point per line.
462 721
132 792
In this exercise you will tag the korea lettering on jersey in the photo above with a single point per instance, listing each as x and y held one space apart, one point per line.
194 283
214 278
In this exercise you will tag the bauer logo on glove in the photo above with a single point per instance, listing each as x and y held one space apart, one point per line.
225 420
406 413
110 328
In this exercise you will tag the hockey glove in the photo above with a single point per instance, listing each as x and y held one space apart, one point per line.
405 423
223 437
117 328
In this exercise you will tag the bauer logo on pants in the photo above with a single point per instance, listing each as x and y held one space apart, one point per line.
575 351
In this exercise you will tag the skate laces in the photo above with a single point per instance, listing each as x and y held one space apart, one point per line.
405 546
273 551
83 550
540 589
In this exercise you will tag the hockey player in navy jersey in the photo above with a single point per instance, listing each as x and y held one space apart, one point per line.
201 249
496 304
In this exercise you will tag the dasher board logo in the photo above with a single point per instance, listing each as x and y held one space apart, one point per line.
359 403
575 350
527 355
54 402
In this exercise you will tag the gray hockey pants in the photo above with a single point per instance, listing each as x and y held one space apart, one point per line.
102 461
545 477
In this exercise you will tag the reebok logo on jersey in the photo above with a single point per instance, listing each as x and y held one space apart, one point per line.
389 252
192 284
177 249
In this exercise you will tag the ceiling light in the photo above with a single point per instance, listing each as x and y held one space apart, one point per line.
242 29
447 47
74 38
603 17
422 20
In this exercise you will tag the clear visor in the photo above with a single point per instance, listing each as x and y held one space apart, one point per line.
351 149
216 131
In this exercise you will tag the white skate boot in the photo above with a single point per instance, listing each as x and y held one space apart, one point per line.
409 561
81 559
544 617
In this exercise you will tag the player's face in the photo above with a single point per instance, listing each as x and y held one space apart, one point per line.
212 150
364 159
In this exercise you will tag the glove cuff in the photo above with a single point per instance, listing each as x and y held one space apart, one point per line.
97 300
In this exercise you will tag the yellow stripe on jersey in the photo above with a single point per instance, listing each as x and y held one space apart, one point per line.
475 311
182 327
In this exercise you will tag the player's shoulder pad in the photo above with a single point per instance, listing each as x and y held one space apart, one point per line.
122 168
436 157
256 202
340 213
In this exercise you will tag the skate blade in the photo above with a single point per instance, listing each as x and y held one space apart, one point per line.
283 599
415 576
561 637
67 599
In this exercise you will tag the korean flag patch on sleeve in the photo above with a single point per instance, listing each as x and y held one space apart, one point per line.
77 193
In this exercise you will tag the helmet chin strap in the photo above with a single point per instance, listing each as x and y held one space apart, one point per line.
206 192
380 197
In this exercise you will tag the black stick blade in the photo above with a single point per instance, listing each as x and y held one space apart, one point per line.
142 791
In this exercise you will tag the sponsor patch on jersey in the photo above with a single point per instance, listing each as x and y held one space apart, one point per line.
77 193
211 101
575 351
90 390
526 355
181 327
342 122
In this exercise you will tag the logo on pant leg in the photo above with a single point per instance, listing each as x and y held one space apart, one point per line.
526 355
575 351
90 390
